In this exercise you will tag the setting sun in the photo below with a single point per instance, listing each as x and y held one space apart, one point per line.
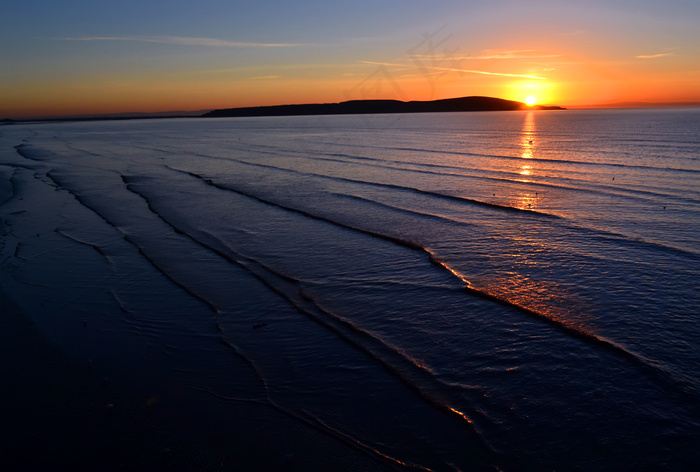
537 55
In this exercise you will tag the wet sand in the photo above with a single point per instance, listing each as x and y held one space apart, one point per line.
59 414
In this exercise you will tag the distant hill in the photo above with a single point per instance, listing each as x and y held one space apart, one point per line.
356 107
352 107
107 117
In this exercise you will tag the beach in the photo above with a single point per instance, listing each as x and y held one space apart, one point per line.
450 291
61 415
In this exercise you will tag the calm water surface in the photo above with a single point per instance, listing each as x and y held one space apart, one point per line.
467 291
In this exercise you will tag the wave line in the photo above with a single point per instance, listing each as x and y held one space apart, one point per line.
638 360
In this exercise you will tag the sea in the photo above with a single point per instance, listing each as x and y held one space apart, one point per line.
503 291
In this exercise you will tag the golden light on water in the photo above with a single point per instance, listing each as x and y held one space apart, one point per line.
528 199
527 142
545 298
461 414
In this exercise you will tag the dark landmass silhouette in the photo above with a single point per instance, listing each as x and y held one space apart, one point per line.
352 107
108 117
356 107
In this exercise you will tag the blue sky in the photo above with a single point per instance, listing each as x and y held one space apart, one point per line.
97 56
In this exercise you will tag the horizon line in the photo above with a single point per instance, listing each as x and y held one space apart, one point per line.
193 113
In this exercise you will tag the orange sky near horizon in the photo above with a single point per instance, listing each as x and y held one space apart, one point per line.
579 85
561 54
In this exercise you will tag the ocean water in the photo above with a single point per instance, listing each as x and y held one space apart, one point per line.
461 291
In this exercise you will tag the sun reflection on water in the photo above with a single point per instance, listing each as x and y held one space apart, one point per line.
523 278
519 287
528 136
527 201
544 297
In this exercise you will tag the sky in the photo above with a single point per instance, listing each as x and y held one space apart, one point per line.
91 57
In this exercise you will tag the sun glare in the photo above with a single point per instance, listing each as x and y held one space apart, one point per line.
530 100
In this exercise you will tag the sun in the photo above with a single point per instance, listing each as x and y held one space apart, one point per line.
530 100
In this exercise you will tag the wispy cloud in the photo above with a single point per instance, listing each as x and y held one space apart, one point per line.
493 54
183 41
514 54
382 63
654 56
266 77
483 72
